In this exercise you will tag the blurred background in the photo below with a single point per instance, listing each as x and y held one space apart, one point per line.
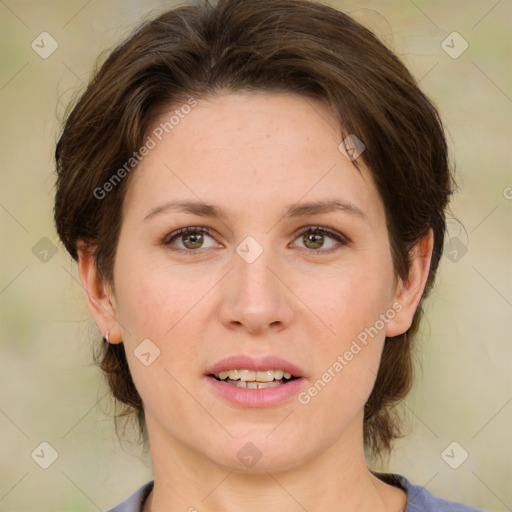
458 417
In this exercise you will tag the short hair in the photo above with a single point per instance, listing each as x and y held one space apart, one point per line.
293 46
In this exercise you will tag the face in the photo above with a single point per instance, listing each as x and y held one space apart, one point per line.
263 278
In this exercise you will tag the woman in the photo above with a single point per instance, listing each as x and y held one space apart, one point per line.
255 193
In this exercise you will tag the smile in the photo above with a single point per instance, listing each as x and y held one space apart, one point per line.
251 379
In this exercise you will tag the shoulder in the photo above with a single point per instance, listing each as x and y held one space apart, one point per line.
421 500
418 498
135 501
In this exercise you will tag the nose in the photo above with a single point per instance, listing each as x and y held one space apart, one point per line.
255 297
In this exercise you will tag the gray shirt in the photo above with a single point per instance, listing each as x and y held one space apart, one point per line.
418 498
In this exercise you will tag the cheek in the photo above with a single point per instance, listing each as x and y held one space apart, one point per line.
155 315
345 369
353 299
347 360
162 305
151 300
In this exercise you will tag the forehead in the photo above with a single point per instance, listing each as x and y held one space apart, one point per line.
247 151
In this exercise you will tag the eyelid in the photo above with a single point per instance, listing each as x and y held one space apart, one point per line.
322 229
340 238
182 231
333 234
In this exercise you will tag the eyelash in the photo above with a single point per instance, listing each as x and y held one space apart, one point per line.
342 241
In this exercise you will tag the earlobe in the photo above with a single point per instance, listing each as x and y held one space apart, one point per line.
98 296
409 292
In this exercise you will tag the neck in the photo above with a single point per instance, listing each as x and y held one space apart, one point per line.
336 479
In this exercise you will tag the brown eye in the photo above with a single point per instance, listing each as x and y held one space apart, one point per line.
192 241
316 238
191 238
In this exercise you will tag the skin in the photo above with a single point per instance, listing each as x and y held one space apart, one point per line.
254 154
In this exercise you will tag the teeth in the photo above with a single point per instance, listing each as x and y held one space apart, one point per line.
254 385
233 374
278 374
247 375
266 376
252 377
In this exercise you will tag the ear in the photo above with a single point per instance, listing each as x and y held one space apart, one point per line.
98 294
408 292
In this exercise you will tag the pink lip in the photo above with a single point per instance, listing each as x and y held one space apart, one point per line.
246 397
243 362
267 397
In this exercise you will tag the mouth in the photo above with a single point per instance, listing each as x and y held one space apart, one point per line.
251 379
259 380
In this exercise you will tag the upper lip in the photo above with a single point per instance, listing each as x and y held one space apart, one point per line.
255 363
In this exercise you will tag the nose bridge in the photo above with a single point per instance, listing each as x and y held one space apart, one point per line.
256 297
254 280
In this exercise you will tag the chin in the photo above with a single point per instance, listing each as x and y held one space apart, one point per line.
259 453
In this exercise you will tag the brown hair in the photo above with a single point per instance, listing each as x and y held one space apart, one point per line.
293 46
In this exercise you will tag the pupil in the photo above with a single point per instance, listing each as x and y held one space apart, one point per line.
312 237
194 240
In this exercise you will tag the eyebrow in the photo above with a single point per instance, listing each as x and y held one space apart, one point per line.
292 211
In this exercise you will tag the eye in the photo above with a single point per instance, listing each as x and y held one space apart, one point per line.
192 238
313 237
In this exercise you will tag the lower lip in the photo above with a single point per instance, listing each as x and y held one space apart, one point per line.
266 397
